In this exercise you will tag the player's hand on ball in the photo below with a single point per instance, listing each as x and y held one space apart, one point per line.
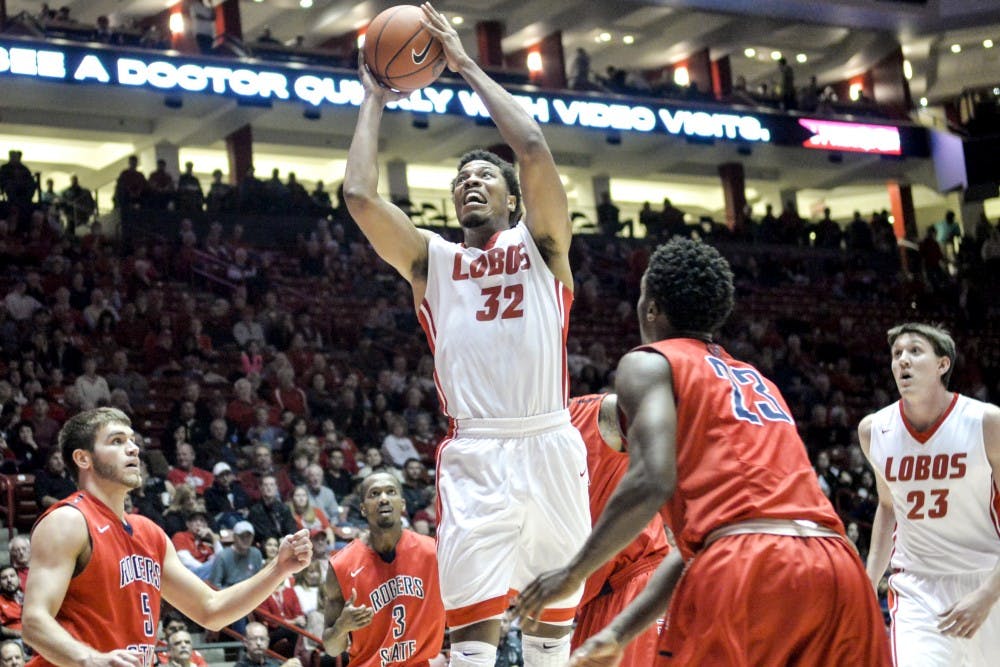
601 650
354 617
543 591
438 25
373 87
966 616
295 551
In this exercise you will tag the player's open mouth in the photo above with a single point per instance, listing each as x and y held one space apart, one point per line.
473 198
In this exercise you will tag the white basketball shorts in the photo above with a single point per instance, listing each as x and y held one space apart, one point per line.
513 504
916 605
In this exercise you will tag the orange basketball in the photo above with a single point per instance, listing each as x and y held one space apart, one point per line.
399 52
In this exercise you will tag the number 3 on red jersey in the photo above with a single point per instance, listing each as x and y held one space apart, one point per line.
767 409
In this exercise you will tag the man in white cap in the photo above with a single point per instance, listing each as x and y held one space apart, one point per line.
237 563
226 501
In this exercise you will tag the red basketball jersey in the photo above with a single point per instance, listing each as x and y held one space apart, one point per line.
114 603
408 625
606 468
739 455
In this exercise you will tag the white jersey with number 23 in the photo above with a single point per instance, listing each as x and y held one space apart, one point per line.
945 498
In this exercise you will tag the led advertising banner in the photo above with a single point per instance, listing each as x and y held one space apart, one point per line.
852 137
257 82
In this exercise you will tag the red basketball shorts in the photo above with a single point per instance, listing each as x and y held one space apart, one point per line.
758 599
599 612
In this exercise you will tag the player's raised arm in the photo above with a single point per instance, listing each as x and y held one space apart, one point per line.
57 544
390 231
541 187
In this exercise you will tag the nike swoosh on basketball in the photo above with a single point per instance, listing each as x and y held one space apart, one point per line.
357 571
419 58
104 528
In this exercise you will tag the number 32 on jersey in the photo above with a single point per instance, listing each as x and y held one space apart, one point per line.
504 300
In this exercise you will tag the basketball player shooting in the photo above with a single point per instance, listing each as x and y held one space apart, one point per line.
512 478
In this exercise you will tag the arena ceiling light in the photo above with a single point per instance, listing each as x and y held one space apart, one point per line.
956 48
907 70
775 55
534 61
176 23
801 58
681 76
987 43
750 52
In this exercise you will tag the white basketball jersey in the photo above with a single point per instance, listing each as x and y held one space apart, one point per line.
946 502
496 320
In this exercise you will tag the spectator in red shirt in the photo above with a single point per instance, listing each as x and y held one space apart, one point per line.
241 410
251 360
130 189
283 605
293 474
46 428
11 600
263 466
160 186
20 556
197 546
185 472
288 396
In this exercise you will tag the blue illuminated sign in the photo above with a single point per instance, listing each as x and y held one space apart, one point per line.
259 82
